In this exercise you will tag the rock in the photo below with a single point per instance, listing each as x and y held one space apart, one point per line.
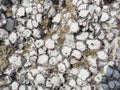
14 85
80 46
15 60
3 34
72 83
83 74
35 23
43 59
49 43
39 18
83 13
93 44
36 33
111 84
39 43
102 55
104 17
27 33
13 37
83 36
82 6
10 24
28 10
29 24
92 60
87 87
57 18
61 67
74 28
55 80
105 87
41 51
22 87
53 61
108 70
66 51
40 78
116 74
21 11
76 54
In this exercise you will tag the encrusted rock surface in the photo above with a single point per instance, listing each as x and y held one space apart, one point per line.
59 45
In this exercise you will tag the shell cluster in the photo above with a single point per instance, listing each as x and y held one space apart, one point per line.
59 44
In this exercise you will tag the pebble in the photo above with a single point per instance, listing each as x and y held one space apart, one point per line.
104 17
93 44
66 51
10 24
72 83
111 84
29 24
61 67
40 78
92 60
43 59
74 28
15 60
3 34
53 61
35 23
49 43
22 87
39 43
15 85
108 70
102 55
36 33
13 37
83 13
27 33
83 74
76 54
87 87
39 18
83 36
116 74
28 10
80 46
21 11
105 86
57 18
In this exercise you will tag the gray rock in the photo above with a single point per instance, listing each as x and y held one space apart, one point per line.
111 84
10 24
116 74
105 87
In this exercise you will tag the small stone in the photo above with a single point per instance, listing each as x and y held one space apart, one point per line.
111 84
104 17
40 78
83 36
83 13
72 83
82 6
22 87
108 70
102 55
13 37
21 11
39 18
76 54
36 33
39 43
66 62
55 80
27 33
15 60
53 61
105 86
57 18
110 36
83 74
49 44
117 83
116 74
98 78
3 34
10 24
61 67
74 27
93 44
80 46
43 59
28 10
66 51
29 24
34 23
87 87
14 85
